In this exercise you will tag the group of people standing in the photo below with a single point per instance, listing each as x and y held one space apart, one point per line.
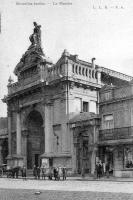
43 172
102 169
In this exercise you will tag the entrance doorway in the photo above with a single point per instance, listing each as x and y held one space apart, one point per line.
82 154
35 140
106 156
37 160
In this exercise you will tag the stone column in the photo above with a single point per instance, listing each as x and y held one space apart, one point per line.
1 156
94 150
24 146
9 133
93 159
18 135
47 128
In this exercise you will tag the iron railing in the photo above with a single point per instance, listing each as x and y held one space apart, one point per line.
116 133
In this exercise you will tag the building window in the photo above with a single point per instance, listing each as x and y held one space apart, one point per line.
85 106
93 107
107 95
77 105
108 122
128 157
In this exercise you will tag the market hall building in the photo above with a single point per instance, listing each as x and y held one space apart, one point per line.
53 110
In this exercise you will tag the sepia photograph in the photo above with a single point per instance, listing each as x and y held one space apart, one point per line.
66 99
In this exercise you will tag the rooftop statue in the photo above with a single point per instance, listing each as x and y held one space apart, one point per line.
35 38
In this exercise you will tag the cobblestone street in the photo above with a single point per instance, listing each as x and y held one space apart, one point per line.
13 194
18 189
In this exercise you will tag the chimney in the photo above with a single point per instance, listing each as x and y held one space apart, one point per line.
93 62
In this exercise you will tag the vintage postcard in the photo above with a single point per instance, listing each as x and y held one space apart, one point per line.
66 108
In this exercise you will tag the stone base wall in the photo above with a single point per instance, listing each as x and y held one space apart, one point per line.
15 161
123 173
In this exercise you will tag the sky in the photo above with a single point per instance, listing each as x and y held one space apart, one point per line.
89 28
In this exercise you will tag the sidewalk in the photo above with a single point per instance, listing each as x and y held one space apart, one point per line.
86 178
111 178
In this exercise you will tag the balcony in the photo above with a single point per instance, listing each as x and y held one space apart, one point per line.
116 134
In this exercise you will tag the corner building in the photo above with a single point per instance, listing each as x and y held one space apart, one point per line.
53 109
116 133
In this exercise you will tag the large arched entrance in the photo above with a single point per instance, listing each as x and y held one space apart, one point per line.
35 139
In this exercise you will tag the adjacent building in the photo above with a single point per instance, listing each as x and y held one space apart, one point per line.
3 140
116 132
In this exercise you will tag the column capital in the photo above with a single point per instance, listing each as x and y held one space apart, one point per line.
9 112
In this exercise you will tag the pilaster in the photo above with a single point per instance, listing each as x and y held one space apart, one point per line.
18 135
25 135
9 133
93 159
48 128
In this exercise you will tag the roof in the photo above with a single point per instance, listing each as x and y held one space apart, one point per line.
104 70
84 116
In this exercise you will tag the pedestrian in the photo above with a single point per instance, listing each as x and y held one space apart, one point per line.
59 172
24 173
50 173
38 172
35 172
43 172
64 173
55 173
104 169
98 169
82 172
107 170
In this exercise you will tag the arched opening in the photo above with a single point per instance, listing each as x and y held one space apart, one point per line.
35 139
4 151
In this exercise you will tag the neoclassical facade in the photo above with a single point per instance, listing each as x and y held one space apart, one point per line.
53 109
